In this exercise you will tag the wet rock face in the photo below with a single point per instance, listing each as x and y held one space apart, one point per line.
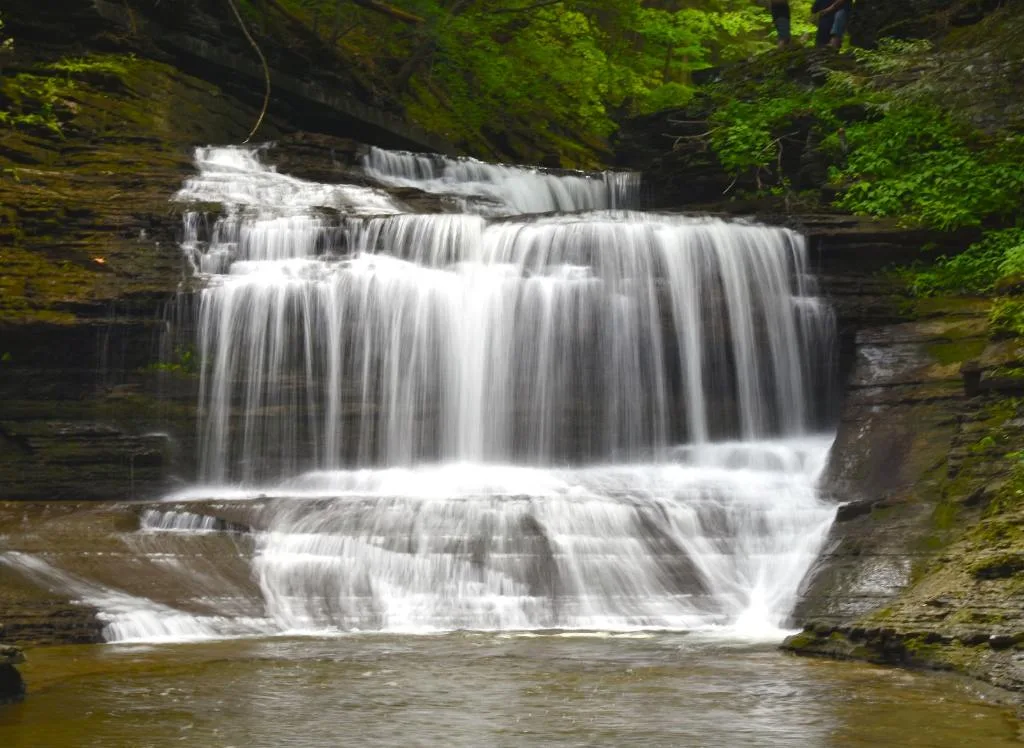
900 415
925 566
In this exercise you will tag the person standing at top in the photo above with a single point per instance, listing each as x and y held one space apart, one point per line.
832 18
780 17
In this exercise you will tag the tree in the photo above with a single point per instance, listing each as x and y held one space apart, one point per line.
564 68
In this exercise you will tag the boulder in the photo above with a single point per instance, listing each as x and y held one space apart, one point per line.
12 687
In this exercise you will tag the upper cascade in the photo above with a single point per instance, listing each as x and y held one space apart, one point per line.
500 189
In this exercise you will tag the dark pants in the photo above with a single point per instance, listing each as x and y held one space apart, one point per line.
780 17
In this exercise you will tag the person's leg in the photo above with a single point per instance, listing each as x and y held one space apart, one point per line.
780 17
839 27
824 34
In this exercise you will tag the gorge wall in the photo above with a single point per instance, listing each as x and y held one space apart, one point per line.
924 565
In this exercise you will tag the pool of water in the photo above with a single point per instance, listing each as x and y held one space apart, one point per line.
484 689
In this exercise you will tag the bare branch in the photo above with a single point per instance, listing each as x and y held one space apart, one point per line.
525 8
266 71
390 10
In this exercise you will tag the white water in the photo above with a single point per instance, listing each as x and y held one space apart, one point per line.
499 189
603 420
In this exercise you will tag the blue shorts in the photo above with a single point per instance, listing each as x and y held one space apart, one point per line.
839 22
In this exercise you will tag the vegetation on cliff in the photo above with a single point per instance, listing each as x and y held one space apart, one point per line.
925 134
532 80
892 137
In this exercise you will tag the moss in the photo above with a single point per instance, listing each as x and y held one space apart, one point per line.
1006 372
945 516
918 648
31 284
957 351
84 213
947 305
802 641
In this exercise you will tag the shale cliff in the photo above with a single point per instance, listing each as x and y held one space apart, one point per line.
105 102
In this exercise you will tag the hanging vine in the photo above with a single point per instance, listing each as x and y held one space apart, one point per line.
266 71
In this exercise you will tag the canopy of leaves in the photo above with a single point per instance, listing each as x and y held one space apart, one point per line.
481 72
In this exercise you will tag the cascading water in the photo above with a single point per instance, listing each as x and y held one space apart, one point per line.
592 419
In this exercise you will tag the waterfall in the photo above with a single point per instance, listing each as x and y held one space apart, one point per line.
594 418
402 338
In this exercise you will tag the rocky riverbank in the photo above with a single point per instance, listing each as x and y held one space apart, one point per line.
924 565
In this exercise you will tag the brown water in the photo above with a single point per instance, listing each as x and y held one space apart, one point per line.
483 690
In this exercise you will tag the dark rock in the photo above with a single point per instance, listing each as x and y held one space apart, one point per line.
12 687
998 565
853 509
1001 641
971 371
973 639
915 19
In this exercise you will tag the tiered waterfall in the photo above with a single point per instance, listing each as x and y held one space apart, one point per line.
542 409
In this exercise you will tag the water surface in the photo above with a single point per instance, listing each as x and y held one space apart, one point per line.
484 689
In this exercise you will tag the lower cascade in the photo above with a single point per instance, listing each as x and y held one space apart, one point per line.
545 410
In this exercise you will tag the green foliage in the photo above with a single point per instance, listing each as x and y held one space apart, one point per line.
1006 319
34 100
1011 244
113 65
746 135
915 162
183 361
749 134
893 149
671 95
978 270
892 55
563 71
